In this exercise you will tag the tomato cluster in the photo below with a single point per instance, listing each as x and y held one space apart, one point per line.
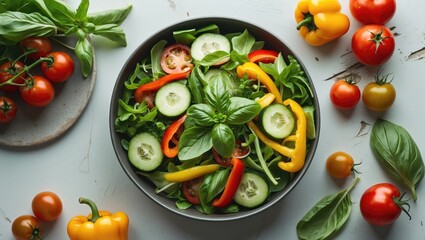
16 75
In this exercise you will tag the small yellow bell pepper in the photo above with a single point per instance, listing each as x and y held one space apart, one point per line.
99 225
191 173
320 21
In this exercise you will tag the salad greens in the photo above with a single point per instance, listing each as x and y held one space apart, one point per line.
214 128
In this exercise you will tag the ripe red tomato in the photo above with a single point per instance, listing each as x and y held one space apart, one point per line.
190 190
47 206
7 71
344 94
7 109
381 204
373 44
340 165
372 11
26 227
61 69
41 44
176 58
39 92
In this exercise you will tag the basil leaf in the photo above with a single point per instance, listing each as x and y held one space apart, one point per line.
183 204
213 58
195 84
84 52
61 12
82 10
212 28
396 150
16 26
327 216
217 183
112 32
223 140
189 35
194 142
217 95
243 43
203 195
156 53
242 110
116 16
202 114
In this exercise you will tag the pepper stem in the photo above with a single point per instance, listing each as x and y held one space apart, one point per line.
308 22
94 211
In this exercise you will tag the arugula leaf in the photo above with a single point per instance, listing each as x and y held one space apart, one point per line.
115 16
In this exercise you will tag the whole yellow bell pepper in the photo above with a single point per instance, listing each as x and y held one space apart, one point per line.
320 21
99 225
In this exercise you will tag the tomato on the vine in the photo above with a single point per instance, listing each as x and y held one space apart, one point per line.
373 11
381 204
60 69
340 165
38 92
41 44
27 227
7 72
373 44
176 58
7 109
190 190
345 94
47 206
379 95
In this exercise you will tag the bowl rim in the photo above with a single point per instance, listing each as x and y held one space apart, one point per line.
118 86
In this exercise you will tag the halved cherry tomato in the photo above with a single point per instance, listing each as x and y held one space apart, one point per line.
176 58
239 152
61 69
7 71
7 109
373 11
39 92
190 190
262 55
41 44
47 206
345 94
27 227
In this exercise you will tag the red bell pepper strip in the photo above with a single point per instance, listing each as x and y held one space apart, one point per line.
157 84
262 55
231 185
169 133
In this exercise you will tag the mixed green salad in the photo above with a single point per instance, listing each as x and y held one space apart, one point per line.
215 121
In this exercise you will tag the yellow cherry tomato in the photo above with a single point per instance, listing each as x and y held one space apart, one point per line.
340 165
378 97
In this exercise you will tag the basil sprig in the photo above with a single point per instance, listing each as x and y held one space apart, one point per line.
396 150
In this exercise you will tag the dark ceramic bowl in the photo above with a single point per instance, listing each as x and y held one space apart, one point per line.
226 25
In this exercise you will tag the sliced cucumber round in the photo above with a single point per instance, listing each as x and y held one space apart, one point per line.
277 121
208 43
173 99
144 152
252 191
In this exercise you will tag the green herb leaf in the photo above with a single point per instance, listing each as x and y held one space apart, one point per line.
327 216
115 16
195 84
243 43
194 142
242 110
61 12
223 140
189 35
202 114
396 150
213 58
156 53
84 52
82 10
217 183
217 95
112 32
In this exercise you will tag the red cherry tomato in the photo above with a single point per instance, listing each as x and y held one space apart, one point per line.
7 71
39 92
41 44
47 206
373 44
262 55
372 11
344 94
190 190
61 69
176 58
381 204
7 109
26 227
239 152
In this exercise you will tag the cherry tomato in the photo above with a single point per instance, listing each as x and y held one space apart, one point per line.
190 190
7 109
378 96
61 69
47 206
381 204
221 160
373 44
340 165
262 55
372 11
39 92
7 71
239 152
41 44
344 94
176 58
26 227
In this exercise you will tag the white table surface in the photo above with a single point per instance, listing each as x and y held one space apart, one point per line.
83 163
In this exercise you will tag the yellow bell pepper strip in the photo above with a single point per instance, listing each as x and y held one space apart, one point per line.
99 225
169 135
266 100
320 21
296 154
232 184
191 173
253 71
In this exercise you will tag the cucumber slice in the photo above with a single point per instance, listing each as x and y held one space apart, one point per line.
208 43
277 121
173 99
144 152
311 128
252 191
